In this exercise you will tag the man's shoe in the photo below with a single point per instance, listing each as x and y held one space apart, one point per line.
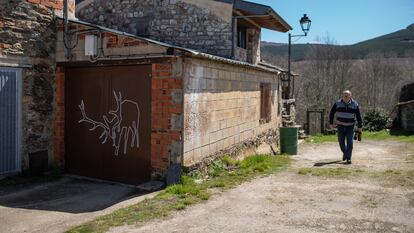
343 157
348 161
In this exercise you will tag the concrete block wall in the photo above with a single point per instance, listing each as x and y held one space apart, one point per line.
222 107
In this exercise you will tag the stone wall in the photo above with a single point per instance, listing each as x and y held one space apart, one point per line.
222 107
27 41
407 116
240 54
198 24
252 53
253 45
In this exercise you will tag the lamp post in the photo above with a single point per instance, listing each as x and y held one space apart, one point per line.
305 23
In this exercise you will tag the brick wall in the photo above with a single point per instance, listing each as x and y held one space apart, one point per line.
222 107
59 118
113 45
166 142
56 5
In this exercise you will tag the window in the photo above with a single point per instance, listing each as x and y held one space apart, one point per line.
241 37
265 103
142 27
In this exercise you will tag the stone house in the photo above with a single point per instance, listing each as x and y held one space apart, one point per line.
225 28
130 90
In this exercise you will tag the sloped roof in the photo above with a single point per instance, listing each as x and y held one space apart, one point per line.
268 17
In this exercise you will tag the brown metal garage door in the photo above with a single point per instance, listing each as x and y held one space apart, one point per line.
108 122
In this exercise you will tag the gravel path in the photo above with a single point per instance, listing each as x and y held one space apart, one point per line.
290 202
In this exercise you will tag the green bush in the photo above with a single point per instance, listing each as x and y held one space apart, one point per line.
376 120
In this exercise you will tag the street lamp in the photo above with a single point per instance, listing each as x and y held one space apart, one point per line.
305 23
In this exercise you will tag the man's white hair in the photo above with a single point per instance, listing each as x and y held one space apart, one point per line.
347 92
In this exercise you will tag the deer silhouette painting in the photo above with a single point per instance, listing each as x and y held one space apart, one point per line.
114 127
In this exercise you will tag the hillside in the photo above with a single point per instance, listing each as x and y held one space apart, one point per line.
399 44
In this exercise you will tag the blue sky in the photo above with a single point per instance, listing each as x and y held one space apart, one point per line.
346 21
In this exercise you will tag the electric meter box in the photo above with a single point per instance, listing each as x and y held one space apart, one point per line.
91 45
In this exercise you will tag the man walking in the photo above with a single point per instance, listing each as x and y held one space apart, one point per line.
346 110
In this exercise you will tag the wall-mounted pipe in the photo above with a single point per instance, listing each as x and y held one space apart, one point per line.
65 33
233 33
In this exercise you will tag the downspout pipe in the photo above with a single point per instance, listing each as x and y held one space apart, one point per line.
65 33
233 32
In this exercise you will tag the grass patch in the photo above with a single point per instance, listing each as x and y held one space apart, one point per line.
366 135
223 174
393 178
234 172
410 158
330 172
370 201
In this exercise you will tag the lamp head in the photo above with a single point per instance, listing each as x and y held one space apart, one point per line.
305 23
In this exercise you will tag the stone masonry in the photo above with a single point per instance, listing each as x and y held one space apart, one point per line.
202 25
253 45
27 41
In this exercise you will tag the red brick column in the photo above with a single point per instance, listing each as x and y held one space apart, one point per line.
59 118
3 45
54 4
166 108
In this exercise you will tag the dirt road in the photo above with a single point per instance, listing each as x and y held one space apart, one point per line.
374 194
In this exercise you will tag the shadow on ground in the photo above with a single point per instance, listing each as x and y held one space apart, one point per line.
70 195
398 132
321 164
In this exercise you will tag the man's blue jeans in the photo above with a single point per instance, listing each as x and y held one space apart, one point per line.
346 133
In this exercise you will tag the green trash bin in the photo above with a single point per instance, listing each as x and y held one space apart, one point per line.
289 140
